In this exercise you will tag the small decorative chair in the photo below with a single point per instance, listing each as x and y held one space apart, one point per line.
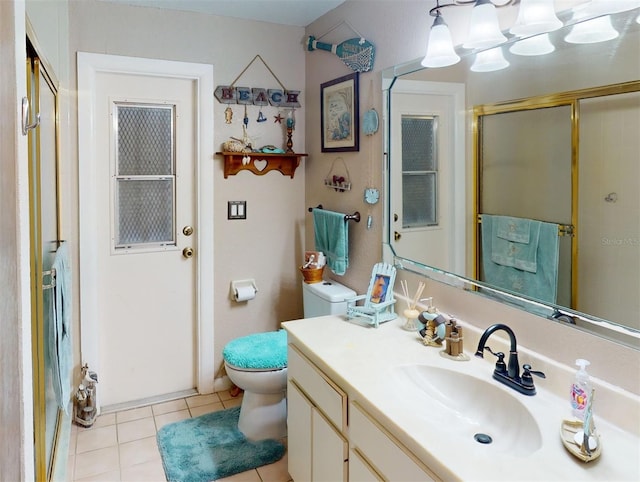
379 300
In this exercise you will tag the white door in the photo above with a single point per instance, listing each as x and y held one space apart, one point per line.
146 239
427 143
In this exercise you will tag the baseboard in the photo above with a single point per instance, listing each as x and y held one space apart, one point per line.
117 407
221 384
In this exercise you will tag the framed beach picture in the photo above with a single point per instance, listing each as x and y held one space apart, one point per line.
339 114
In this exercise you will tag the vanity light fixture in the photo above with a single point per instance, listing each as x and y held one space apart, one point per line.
440 51
484 28
596 30
489 60
537 45
484 31
534 17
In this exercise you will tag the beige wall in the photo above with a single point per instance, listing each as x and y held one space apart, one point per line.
399 34
268 245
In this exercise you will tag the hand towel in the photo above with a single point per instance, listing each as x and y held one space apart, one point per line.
60 328
515 242
513 229
541 285
332 238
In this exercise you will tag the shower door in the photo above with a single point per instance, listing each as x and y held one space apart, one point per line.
44 235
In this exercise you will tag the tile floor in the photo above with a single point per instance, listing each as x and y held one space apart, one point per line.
122 446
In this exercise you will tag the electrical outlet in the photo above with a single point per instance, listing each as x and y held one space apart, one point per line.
237 210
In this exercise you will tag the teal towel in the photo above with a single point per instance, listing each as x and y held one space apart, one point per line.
541 285
258 351
59 336
513 229
515 242
332 238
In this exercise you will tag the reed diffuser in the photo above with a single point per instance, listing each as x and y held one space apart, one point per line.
411 313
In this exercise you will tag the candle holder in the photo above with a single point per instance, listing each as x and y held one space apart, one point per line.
291 124
289 141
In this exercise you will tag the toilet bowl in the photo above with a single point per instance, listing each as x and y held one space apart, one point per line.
257 363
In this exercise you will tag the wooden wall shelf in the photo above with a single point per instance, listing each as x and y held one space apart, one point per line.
260 163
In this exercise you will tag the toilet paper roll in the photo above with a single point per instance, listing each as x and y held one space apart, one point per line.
245 293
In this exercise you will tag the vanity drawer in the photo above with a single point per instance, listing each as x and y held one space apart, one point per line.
387 456
325 394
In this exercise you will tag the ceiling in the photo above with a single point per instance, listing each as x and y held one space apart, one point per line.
286 12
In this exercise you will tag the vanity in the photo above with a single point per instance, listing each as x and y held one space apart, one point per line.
371 404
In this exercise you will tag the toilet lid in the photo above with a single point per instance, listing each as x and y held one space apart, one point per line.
258 351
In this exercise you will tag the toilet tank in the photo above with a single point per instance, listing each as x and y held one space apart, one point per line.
325 298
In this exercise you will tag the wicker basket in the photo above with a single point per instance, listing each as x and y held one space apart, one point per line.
312 275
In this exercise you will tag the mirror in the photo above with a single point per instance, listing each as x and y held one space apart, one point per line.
461 102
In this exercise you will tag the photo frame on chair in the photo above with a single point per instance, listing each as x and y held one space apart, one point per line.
339 114
380 288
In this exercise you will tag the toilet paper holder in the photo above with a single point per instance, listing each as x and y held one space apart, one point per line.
243 290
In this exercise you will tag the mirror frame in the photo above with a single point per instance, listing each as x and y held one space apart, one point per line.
585 322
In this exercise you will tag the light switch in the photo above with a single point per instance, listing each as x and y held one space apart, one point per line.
237 210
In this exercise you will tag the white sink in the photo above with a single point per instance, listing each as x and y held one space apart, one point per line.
464 406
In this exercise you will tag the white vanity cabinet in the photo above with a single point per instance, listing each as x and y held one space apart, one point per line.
316 421
321 446
378 455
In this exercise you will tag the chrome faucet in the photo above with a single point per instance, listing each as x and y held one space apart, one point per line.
509 374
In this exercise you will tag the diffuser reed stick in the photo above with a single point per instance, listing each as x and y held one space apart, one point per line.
411 314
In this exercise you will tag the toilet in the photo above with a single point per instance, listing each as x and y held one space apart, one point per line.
257 363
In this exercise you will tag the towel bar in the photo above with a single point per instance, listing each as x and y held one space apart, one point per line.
347 217
563 229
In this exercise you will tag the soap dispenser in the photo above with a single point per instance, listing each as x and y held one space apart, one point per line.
580 390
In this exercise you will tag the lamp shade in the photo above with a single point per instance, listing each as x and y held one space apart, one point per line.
489 60
440 51
534 17
598 29
538 45
603 7
484 28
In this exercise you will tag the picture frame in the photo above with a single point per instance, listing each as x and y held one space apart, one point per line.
380 288
339 114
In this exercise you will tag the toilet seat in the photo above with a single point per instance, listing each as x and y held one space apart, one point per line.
257 352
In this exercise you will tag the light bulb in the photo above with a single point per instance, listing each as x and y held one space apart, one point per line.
489 60
534 17
484 28
440 51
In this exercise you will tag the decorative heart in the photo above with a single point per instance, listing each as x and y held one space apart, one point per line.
260 164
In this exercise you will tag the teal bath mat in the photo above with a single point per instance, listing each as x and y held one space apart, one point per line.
211 447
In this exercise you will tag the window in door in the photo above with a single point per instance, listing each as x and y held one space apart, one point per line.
145 178
419 171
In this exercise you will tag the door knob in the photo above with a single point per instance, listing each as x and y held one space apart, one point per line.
187 252
396 235
187 230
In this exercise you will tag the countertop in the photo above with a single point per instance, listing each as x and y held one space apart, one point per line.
359 358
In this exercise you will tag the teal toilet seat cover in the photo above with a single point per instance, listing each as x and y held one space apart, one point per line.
258 351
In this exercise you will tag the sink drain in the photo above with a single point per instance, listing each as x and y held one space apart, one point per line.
483 438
